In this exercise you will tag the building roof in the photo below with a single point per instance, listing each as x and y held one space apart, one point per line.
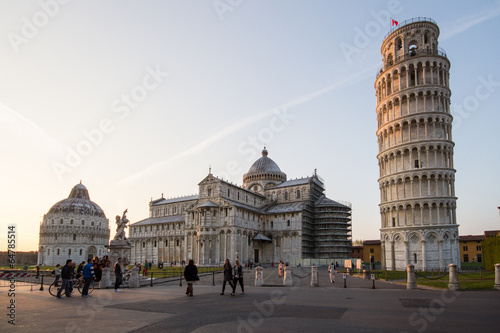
240 205
294 182
207 204
372 242
78 202
324 201
492 233
284 208
264 165
163 201
471 238
160 220
261 237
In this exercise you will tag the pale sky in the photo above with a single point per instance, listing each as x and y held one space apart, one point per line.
139 98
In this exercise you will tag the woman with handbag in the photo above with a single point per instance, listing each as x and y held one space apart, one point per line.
191 275
238 277
228 276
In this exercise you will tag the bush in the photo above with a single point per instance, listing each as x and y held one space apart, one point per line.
491 252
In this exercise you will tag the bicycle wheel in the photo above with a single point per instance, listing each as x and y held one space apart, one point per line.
54 287
82 283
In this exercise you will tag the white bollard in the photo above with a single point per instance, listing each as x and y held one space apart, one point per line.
105 278
259 276
497 276
134 281
287 279
453 282
410 280
314 276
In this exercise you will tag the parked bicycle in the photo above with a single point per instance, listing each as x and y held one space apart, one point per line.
74 283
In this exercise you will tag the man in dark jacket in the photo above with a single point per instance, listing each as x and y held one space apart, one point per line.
66 277
118 273
88 276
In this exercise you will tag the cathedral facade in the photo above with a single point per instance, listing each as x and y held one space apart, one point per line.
267 219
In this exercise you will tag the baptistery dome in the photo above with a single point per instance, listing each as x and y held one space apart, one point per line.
263 173
74 228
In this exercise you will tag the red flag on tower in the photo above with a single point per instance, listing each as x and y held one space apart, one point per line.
394 22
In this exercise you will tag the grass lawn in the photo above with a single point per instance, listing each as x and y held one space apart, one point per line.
466 281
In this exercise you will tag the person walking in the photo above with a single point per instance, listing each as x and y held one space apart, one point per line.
88 276
66 276
119 274
191 275
238 277
331 270
228 276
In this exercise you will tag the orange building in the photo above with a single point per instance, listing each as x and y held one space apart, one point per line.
372 248
357 252
470 248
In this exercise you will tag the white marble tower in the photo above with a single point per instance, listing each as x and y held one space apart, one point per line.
417 175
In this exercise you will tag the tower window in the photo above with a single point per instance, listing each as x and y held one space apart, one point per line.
62 221
209 192
412 50
83 222
80 251
272 224
74 236
417 165
48 252
69 252
228 192
393 221
288 223
177 242
155 244
286 195
415 257
58 252
71 222
298 194
166 242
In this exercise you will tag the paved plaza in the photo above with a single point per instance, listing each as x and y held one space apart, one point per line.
327 308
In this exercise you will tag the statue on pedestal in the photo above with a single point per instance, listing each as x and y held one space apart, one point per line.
121 223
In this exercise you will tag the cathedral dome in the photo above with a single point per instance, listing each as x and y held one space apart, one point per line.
264 164
264 171
78 202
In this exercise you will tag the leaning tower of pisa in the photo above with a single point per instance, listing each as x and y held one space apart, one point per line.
417 175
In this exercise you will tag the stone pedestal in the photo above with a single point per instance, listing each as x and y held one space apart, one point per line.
497 277
314 276
105 278
134 281
287 280
259 276
410 280
453 282
119 249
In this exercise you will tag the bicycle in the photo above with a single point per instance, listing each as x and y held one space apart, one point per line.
74 283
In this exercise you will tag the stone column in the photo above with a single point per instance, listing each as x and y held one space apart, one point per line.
314 276
497 276
440 252
287 280
105 278
424 258
453 282
410 280
134 281
259 276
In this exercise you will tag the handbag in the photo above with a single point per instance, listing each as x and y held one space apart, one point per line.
197 278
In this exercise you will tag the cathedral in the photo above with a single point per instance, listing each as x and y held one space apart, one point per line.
267 219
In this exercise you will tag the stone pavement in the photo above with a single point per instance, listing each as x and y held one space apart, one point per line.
327 308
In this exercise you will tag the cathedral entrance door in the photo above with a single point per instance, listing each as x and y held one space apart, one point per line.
256 256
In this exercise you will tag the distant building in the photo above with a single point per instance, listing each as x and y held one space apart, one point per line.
267 219
372 248
471 248
357 252
74 228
